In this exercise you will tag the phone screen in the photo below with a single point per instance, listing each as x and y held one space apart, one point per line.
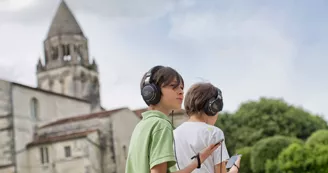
232 160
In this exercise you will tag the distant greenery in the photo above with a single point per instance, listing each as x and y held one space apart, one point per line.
276 137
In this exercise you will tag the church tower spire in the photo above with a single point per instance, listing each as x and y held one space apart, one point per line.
64 22
67 68
65 43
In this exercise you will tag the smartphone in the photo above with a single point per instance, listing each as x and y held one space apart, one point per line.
232 160
219 142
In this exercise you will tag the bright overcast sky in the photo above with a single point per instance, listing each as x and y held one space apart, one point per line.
247 48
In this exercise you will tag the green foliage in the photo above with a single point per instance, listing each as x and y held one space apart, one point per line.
268 148
227 123
271 166
303 124
300 158
245 159
237 136
274 116
265 118
319 137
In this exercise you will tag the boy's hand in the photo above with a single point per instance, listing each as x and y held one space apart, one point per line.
238 161
206 152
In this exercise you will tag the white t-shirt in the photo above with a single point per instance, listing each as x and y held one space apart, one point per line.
191 138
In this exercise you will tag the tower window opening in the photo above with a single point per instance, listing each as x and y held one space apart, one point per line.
54 53
66 53
66 50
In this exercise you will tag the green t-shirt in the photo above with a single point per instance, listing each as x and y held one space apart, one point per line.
151 144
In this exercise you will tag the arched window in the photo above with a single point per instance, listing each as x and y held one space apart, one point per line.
34 108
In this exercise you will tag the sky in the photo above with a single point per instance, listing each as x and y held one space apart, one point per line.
249 49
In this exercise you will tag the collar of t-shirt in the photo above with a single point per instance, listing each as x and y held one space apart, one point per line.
154 113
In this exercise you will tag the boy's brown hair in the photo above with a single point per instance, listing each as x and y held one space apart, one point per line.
163 76
197 96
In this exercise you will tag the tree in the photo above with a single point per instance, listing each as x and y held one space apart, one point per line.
255 120
228 125
319 137
245 161
266 117
300 158
268 149
275 116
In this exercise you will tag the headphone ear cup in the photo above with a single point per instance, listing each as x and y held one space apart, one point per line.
151 94
157 95
207 108
213 106
148 93
216 106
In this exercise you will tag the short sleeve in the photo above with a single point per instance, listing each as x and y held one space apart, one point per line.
161 148
218 135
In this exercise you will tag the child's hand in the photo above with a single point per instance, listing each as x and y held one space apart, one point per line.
206 152
238 161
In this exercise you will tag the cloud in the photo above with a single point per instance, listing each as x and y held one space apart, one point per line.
15 5
21 48
34 11
124 8
245 53
248 49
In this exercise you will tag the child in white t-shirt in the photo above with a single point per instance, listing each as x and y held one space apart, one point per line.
202 103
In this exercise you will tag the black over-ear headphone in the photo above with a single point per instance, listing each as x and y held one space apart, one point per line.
214 104
151 93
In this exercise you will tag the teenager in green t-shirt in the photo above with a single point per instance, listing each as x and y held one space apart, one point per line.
151 144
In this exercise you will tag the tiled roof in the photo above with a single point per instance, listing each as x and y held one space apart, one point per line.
83 117
49 92
45 140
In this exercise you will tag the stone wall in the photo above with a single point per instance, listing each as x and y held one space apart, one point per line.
6 129
49 108
85 156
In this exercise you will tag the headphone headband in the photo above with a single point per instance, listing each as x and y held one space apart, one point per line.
149 74
219 96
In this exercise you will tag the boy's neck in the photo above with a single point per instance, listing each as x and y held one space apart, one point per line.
197 118
161 109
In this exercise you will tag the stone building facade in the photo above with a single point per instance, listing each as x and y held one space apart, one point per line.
60 126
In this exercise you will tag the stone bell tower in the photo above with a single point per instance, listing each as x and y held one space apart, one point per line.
67 68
